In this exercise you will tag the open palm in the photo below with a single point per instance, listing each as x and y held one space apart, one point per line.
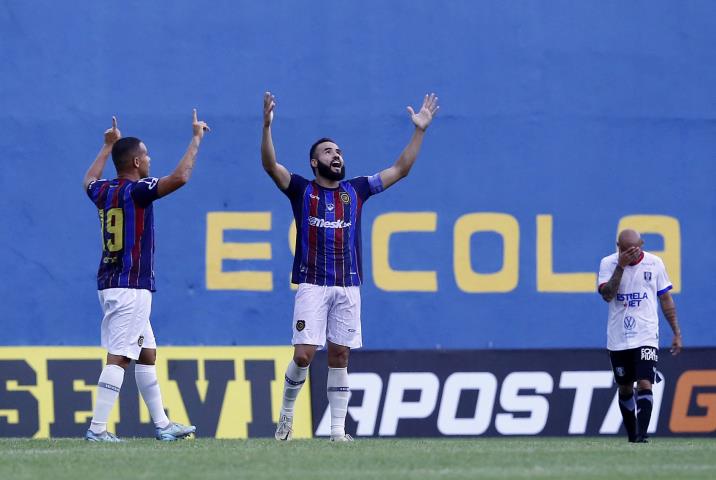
426 113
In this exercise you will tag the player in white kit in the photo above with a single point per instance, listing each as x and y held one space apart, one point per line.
632 281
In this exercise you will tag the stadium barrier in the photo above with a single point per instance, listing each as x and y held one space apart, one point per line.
512 392
235 392
228 392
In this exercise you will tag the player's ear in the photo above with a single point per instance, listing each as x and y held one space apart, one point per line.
135 161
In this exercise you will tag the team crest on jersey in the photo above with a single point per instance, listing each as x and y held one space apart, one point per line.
300 325
647 276
619 371
330 207
345 198
140 342
629 323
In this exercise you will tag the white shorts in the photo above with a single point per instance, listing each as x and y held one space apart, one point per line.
125 326
322 312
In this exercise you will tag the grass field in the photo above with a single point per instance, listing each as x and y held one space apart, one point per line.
574 458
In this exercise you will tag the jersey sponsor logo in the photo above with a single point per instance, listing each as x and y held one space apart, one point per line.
629 323
152 182
649 354
632 299
647 276
322 223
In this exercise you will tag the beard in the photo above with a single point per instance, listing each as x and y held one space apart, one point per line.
326 172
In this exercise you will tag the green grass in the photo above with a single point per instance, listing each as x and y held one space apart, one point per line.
574 458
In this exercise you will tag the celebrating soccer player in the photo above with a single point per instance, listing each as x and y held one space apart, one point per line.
126 272
327 263
631 280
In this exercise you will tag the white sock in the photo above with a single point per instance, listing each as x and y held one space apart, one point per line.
294 380
108 386
146 376
338 395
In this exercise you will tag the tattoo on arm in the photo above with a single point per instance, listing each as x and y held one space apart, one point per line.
609 290
669 308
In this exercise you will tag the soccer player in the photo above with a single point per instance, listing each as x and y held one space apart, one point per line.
327 263
126 272
631 281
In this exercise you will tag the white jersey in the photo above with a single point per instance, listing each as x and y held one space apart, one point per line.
633 314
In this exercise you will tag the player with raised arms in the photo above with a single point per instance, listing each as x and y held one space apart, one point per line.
327 263
125 280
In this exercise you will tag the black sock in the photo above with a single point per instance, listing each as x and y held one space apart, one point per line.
645 401
627 405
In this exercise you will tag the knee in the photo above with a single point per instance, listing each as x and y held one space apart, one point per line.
147 357
302 359
643 385
626 390
118 360
338 358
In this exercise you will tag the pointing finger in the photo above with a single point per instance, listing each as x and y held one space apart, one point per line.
195 117
411 111
114 122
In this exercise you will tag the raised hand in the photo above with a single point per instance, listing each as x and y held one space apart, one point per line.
269 105
628 256
423 118
111 135
199 127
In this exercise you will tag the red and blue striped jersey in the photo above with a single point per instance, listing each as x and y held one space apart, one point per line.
127 221
328 229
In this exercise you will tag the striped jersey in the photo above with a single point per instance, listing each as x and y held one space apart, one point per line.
127 221
328 229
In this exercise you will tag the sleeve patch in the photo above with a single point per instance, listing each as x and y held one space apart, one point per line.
375 183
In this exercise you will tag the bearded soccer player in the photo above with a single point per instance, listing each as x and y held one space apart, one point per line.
327 262
632 281
126 272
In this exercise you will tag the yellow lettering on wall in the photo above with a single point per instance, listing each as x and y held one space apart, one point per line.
385 277
217 250
547 279
503 280
668 228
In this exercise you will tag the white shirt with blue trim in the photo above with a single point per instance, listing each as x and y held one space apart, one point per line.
633 313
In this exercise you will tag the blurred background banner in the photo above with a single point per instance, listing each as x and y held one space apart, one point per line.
560 123
512 392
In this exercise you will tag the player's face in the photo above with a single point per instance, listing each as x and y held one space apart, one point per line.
624 246
329 161
144 160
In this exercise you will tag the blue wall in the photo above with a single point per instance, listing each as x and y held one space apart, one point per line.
586 111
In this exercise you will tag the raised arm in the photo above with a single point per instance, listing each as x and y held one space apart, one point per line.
182 172
405 161
276 171
609 290
668 307
111 135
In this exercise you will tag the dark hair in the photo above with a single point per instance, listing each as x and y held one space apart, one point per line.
124 150
312 152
